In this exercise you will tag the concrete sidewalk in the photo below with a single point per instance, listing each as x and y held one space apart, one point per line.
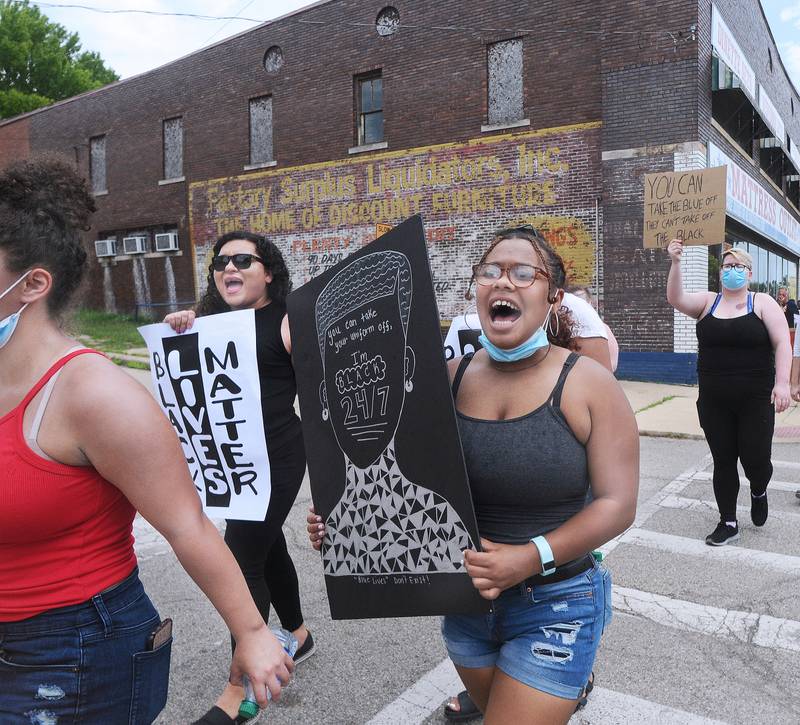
670 411
661 410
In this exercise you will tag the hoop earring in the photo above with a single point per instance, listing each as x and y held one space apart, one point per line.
471 310
409 386
324 414
550 324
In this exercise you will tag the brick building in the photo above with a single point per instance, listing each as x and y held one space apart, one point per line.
317 126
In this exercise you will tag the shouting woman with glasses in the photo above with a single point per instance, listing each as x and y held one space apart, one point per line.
538 423
743 367
248 272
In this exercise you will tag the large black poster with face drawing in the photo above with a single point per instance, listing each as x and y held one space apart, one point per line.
384 457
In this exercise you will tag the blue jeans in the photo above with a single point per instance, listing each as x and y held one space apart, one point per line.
86 663
545 636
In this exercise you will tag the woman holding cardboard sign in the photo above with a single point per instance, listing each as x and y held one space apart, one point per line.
540 426
247 271
743 367
79 638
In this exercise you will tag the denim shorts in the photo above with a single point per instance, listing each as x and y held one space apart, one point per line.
545 636
86 663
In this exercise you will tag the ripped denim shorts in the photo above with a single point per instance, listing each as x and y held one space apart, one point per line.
544 636
85 663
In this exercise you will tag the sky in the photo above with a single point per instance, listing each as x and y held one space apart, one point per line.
134 43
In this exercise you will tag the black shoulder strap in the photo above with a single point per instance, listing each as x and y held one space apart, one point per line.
555 396
462 367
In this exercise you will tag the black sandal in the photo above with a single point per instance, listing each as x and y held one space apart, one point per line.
467 709
585 696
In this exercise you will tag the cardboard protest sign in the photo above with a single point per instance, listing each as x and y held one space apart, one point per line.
687 205
207 384
384 457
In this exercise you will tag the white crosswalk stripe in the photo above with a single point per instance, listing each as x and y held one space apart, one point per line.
773 485
607 707
695 547
694 504
759 629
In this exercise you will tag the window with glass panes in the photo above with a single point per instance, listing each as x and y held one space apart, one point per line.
771 270
369 90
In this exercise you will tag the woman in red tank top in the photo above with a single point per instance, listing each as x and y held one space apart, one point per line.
73 614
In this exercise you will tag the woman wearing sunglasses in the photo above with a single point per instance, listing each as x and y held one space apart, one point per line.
539 426
80 641
743 367
248 272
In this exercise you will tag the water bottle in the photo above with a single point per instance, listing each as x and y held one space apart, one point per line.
248 708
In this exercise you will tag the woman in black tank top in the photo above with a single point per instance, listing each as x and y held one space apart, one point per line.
743 365
251 274
534 420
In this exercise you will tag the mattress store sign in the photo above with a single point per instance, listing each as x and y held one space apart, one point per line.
751 204
728 49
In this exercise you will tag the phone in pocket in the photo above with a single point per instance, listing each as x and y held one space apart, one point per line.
159 635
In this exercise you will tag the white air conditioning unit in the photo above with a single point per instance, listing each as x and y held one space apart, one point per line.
105 247
167 242
134 245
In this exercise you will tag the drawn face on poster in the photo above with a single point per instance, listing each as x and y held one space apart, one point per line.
394 545
362 328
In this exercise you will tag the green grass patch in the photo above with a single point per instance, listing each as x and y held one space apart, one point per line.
108 332
657 402
135 364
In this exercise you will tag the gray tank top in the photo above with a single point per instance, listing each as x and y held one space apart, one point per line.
528 475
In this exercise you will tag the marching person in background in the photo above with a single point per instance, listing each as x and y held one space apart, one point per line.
743 368
80 641
795 380
585 294
540 426
788 306
247 272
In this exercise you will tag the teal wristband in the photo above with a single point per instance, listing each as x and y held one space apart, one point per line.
545 555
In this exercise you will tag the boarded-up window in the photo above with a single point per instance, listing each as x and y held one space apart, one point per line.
505 81
173 148
97 163
369 95
261 130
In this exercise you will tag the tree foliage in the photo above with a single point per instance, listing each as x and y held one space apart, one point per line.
41 61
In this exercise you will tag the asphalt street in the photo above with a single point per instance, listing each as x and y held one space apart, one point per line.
700 635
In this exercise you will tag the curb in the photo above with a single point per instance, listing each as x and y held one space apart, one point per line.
671 434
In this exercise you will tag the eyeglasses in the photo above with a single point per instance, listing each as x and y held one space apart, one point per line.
737 267
520 275
240 261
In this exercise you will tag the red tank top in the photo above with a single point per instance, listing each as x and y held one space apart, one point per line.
65 532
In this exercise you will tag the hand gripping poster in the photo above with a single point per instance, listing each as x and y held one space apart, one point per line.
384 457
206 381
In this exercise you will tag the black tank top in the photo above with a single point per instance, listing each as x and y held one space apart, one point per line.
278 387
736 347
528 475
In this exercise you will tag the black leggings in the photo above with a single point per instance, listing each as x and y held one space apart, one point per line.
260 546
738 420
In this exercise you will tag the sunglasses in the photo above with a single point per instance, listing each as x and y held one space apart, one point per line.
520 275
240 261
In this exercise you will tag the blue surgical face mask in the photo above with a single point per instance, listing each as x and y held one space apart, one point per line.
733 279
535 342
9 324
